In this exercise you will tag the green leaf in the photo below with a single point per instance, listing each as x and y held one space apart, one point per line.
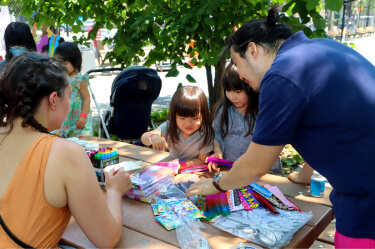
353 46
76 29
172 73
287 6
334 5
190 78
209 21
311 4
179 86
192 28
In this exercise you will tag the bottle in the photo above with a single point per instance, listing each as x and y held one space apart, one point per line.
317 186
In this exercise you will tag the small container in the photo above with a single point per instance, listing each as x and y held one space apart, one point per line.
81 142
318 184
92 146
73 139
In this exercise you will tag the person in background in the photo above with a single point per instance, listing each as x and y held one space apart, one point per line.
188 132
98 36
44 179
79 121
234 119
319 96
18 39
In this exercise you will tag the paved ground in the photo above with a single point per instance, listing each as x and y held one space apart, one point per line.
101 83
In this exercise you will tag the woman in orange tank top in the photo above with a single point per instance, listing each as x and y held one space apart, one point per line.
44 179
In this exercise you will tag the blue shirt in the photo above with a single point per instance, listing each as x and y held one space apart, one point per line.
319 96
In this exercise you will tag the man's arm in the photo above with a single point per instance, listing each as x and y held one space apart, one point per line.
256 162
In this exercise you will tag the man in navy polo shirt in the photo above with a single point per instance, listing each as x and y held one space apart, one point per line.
319 96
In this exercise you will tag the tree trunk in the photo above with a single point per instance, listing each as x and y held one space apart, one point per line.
209 83
218 89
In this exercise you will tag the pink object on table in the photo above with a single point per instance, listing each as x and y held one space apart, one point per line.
219 161
195 168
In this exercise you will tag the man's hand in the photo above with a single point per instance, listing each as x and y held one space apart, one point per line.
202 187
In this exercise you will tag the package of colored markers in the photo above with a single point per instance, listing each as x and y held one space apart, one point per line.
102 158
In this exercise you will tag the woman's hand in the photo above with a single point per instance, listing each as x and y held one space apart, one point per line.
202 187
213 166
81 122
158 143
118 180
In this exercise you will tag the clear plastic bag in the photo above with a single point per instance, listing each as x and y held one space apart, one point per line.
189 235
263 227
177 190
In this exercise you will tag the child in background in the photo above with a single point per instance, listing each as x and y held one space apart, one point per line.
188 132
234 119
79 120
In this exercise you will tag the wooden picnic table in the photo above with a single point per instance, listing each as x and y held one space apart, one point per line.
141 226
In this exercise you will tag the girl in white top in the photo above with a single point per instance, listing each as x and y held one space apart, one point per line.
188 133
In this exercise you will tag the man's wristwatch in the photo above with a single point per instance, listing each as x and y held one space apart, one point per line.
215 182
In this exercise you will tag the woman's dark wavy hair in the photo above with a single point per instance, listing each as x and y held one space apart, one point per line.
26 81
264 32
230 81
18 33
69 51
190 101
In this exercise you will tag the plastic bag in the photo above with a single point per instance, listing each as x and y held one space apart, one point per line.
263 227
189 235
178 190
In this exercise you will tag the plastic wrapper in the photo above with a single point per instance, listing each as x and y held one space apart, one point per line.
189 235
161 185
263 227
178 190
149 175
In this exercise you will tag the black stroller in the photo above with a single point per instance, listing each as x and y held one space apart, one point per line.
132 94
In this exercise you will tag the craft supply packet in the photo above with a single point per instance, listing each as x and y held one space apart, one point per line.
234 201
247 199
155 210
280 196
186 208
268 195
168 223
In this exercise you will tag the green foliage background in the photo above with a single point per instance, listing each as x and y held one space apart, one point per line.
169 26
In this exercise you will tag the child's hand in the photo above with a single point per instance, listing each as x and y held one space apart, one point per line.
81 122
158 143
213 166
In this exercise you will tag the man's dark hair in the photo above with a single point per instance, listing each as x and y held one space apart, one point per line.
264 32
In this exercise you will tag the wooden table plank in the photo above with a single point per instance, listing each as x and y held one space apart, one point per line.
131 151
321 245
129 238
328 235
298 191
322 215
138 216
